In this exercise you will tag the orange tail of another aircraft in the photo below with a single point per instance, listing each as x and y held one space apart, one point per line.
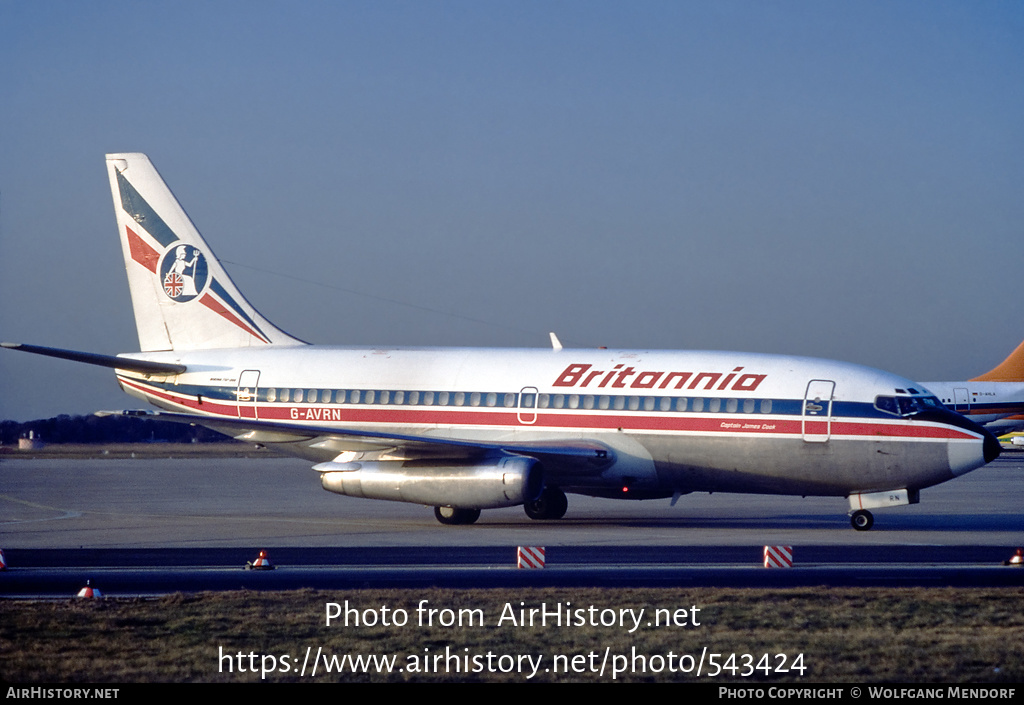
1009 370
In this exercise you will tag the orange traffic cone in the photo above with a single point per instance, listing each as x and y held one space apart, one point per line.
89 590
261 563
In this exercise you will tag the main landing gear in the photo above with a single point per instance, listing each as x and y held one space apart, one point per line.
551 504
861 520
455 515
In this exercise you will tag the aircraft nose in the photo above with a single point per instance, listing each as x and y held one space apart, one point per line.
992 447
964 457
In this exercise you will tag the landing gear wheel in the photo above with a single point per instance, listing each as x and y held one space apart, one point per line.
550 505
454 515
862 520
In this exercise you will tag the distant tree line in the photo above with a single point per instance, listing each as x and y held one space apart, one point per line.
106 429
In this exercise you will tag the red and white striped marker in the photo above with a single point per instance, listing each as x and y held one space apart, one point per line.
778 556
1016 559
530 557
89 590
261 563
3 561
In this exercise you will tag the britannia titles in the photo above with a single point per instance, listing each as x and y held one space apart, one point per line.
581 375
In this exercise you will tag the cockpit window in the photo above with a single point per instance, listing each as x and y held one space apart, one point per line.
907 406
887 404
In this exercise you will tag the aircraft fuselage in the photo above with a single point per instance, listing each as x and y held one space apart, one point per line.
676 422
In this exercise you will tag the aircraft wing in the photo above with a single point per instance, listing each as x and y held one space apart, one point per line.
569 457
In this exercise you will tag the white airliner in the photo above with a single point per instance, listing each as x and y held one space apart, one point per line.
469 429
994 399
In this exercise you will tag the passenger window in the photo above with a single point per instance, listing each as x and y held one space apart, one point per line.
443 398
588 401
634 403
731 405
297 395
715 406
748 406
492 399
604 401
681 404
574 401
649 403
369 396
474 399
272 394
666 404
766 406
311 396
698 404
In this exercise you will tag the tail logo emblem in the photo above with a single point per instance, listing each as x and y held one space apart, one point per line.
183 272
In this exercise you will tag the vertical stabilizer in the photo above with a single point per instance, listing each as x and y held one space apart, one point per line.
1009 370
183 298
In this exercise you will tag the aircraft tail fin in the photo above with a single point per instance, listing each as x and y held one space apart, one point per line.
182 296
1009 370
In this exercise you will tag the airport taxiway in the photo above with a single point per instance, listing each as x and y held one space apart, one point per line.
246 502
151 525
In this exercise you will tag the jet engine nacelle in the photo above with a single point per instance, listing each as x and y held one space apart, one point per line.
505 482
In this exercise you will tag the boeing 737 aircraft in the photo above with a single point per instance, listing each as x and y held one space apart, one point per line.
994 399
469 429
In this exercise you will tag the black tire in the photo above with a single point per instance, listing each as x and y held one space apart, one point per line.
453 516
862 520
551 504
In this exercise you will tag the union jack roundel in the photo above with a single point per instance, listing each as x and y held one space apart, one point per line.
183 272
173 284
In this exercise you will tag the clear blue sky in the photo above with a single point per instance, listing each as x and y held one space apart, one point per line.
839 179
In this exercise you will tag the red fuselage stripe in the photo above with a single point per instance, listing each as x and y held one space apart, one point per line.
546 419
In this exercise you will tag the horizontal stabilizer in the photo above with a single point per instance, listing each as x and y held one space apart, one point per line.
117 363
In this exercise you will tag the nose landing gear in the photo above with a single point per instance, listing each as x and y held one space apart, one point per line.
861 520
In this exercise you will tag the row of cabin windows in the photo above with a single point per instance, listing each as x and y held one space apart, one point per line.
637 403
529 401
